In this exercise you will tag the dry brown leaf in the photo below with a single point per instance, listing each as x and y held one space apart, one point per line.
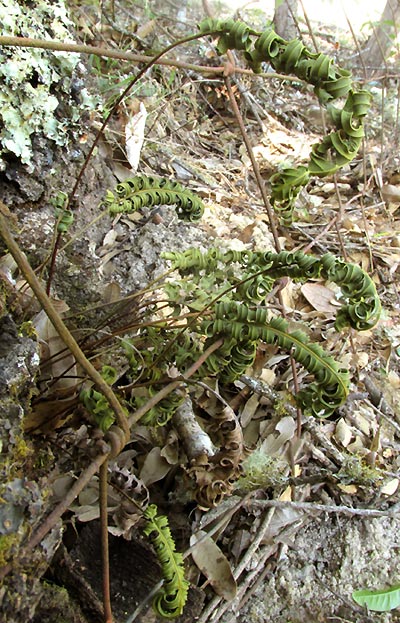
154 468
320 297
249 410
134 137
268 376
112 292
390 193
213 564
286 428
390 487
286 496
343 433
146 29
47 415
57 363
351 489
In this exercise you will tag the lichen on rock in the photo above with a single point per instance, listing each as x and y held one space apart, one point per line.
33 82
22 499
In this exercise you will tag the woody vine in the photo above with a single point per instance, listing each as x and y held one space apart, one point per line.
217 298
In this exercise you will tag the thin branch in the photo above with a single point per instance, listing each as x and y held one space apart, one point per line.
105 558
76 48
310 507
256 169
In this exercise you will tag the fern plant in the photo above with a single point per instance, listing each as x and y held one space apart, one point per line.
239 282
170 600
143 191
223 293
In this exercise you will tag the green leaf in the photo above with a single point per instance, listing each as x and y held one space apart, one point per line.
378 601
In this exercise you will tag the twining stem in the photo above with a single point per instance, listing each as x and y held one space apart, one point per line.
270 214
58 323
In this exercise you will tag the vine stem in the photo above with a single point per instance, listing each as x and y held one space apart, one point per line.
256 170
268 207
77 48
58 323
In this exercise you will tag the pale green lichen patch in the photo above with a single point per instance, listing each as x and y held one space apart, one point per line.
33 81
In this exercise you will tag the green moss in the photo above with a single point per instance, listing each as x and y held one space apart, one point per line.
8 546
21 449
355 470
261 471
27 329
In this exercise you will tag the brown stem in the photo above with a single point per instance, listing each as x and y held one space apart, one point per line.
108 617
45 44
270 213
260 182
53 263
57 322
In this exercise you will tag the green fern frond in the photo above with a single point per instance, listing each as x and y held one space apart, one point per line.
233 34
330 82
360 310
241 279
143 191
245 327
169 602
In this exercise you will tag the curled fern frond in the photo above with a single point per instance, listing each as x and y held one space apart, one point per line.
246 326
285 188
65 218
163 412
361 307
169 602
241 280
233 34
151 364
330 82
143 191
97 404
